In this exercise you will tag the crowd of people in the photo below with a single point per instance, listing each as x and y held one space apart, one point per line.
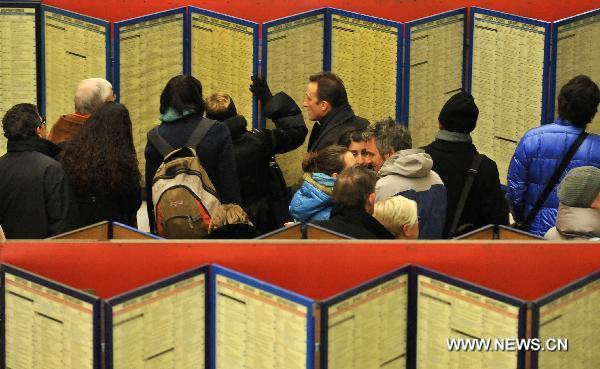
361 179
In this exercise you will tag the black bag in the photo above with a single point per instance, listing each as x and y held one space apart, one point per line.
277 186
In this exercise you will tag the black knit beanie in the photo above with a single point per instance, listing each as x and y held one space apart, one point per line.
459 113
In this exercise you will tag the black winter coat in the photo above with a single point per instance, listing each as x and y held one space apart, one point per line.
355 223
486 203
253 151
113 207
35 198
333 126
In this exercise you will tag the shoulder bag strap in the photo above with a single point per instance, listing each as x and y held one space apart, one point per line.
159 142
471 173
199 132
554 179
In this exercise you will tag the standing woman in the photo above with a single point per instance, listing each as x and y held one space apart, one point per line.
101 164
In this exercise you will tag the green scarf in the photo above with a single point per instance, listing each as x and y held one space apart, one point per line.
453 136
172 115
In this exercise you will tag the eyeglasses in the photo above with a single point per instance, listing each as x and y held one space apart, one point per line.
43 122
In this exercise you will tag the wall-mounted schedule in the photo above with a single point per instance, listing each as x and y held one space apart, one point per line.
364 53
509 55
18 65
76 47
160 326
447 310
433 69
260 326
47 325
571 314
577 51
292 51
224 56
367 328
149 52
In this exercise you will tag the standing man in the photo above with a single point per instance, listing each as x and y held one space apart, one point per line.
35 200
90 94
453 153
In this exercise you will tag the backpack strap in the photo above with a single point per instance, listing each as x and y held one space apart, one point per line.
471 173
199 132
554 179
159 142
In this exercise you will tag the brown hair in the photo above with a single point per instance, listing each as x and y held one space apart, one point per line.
328 160
228 214
219 106
353 187
330 88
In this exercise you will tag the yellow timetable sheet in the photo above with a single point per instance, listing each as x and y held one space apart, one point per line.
368 330
18 74
258 330
163 329
578 52
445 311
222 59
45 328
295 51
507 84
573 317
74 50
151 53
435 73
365 55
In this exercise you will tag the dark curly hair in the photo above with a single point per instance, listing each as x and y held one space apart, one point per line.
101 158
578 101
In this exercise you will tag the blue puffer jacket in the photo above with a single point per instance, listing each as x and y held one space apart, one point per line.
538 154
312 201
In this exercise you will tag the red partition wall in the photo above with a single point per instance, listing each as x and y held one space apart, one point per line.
265 10
314 269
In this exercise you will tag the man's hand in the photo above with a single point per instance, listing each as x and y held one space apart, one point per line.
260 89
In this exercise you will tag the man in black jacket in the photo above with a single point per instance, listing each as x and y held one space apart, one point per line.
35 198
453 153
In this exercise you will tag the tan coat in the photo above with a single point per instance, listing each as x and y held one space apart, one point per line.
65 128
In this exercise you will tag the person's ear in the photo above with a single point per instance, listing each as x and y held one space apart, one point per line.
334 175
41 131
440 126
388 153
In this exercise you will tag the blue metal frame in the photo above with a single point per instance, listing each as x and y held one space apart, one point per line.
552 296
294 297
254 25
276 22
530 21
346 295
520 304
407 45
85 18
400 29
110 303
117 56
74 293
149 235
553 63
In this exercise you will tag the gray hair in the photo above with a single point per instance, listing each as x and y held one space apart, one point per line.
389 135
91 93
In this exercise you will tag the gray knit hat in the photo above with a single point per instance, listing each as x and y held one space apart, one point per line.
580 187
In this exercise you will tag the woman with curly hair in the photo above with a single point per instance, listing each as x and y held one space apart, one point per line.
101 164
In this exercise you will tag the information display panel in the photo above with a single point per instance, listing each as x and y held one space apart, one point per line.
258 325
576 51
19 66
433 70
292 50
149 51
508 79
449 310
224 54
366 52
161 325
47 325
567 324
366 327
76 47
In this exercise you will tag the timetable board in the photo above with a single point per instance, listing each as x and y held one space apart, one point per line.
258 325
19 67
48 325
292 50
224 54
366 53
433 70
366 327
75 47
161 325
508 79
570 313
576 51
448 308
149 51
